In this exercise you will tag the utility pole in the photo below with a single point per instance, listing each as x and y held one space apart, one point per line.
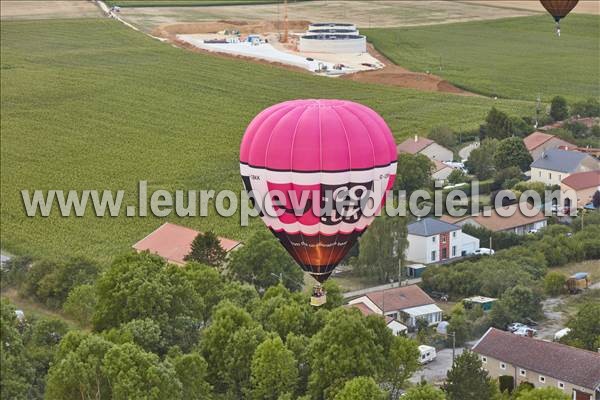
453 346
285 21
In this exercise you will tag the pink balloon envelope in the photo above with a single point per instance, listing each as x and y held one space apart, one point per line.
301 157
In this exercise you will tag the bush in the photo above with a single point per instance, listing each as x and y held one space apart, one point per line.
559 110
554 283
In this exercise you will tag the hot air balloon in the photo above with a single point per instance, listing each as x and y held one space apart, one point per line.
559 9
301 160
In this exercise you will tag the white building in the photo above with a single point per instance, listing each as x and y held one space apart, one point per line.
427 147
405 304
554 165
431 240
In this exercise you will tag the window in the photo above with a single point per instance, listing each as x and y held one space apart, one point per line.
453 251
484 359
454 234
433 255
433 239
549 175
522 372
542 379
502 365
559 177
561 385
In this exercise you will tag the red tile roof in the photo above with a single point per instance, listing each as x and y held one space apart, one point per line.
438 166
400 298
414 145
173 242
496 223
366 311
536 139
561 362
583 180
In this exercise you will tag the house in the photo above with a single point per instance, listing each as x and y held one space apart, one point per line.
431 240
173 242
583 185
539 142
420 145
555 165
396 327
514 221
405 304
441 171
574 371
485 303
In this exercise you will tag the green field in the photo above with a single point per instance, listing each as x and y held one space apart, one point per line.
511 58
91 104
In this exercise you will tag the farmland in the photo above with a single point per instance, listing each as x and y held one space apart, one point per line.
516 58
185 3
90 104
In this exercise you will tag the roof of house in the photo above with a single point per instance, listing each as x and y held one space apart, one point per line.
536 139
430 227
366 311
496 222
438 166
174 242
583 180
561 362
560 160
414 145
400 298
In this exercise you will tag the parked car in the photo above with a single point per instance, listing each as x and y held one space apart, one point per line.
428 354
516 326
562 333
484 251
527 331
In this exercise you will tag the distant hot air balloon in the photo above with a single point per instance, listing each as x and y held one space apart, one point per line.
559 9
317 153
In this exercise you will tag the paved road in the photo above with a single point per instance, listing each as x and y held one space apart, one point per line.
435 371
465 152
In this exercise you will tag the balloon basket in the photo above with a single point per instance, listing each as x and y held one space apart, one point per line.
319 296
318 301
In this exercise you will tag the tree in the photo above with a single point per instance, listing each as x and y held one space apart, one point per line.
404 361
424 392
191 371
16 370
139 286
459 325
206 249
382 248
497 125
343 349
262 261
81 303
136 374
511 152
414 172
77 371
360 388
506 178
457 176
585 327
516 304
554 283
443 136
481 160
547 393
274 370
228 345
467 380
596 199
587 108
559 110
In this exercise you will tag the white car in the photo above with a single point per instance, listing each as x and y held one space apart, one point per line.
516 326
527 331
484 251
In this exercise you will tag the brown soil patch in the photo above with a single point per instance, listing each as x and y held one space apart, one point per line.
391 74
244 27
37 9
395 75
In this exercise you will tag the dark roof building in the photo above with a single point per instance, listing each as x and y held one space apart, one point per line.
561 160
541 363
430 226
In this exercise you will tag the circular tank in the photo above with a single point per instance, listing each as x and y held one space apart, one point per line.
333 43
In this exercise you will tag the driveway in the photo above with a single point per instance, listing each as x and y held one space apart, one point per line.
465 152
435 371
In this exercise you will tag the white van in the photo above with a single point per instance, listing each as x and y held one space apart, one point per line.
428 354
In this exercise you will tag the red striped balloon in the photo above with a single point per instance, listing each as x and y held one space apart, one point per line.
302 156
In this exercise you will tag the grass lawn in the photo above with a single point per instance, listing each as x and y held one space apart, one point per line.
591 266
186 3
91 104
516 58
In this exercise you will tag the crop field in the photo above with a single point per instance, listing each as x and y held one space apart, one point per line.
91 104
186 3
518 58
